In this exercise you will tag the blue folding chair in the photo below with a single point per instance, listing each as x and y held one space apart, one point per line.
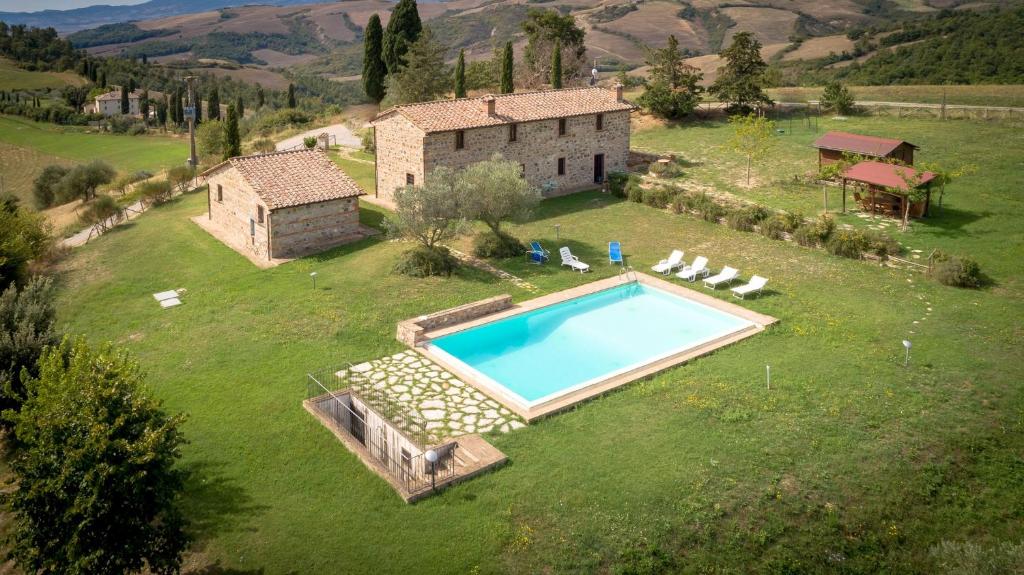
615 253
537 254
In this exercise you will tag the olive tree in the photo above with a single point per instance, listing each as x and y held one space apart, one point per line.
428 215
496 192
27 326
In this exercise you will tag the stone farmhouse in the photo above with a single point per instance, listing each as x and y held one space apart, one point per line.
282 205
565 140
109 104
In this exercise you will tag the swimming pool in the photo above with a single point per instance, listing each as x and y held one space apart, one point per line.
540 355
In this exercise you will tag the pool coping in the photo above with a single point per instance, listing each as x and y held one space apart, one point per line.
531 412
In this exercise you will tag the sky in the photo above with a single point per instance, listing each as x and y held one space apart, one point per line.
35 5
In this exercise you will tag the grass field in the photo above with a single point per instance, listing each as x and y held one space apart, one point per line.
850 462
14 78
32 146
985 95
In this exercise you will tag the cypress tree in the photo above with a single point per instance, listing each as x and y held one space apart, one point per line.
260 96
291 95
103 79
460 75
213 105
556 66
179 110
131 85
145 61
124 100
144 105
507 86
374 69
199 106
403 29
240 107
232 139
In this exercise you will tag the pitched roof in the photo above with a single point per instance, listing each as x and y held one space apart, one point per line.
116 95
447 115
293 178
859 144
887 175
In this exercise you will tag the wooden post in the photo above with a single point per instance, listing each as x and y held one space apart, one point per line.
872 188
844 195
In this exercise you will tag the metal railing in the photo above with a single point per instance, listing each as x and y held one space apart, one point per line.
384 444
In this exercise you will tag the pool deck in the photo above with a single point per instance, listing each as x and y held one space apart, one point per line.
560 403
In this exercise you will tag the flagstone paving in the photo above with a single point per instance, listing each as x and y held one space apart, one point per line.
432 402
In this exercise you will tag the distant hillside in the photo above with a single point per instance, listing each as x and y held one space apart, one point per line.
92 16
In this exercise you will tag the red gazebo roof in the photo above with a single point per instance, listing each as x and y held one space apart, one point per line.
887 175
859 144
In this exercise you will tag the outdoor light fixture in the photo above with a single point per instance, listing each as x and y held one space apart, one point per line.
556 231
313 275
431 456
906 344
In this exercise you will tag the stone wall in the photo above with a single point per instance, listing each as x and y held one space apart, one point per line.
232 213
311 228
412 331
399 152
537 147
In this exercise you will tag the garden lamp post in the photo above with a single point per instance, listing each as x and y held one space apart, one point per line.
432 458
313 275
556 231
906 344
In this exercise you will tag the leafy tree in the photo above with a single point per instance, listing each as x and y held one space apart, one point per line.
24 236
545 28
260 97
103 210
74 96
424 77
180 177
752 138
213 104
98 485
429 214
291 95
125 107
460 75
507 69
27 326
740 82
45 186
674 89
374 69
161 112
82 181
556 65
232 139
404 28
210 140
838 98
496 192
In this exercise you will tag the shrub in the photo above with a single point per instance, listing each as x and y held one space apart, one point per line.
658 197
956 271
422 261
847 243
745 219
309 142
497 245
669 169
137 129
262 146
99 210
156 191
775 226
270 123
815 233
366 141
617 183
708 208
27 326
634 192
180 177
882 245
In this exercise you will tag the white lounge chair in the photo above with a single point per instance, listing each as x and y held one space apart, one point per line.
699 268
572 261
755 285
675 260
725 276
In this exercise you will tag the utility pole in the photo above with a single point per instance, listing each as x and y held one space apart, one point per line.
190 113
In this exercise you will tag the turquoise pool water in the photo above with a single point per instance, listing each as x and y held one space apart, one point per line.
547 352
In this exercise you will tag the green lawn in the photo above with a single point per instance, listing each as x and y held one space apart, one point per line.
362 172
15 78
983 95
851 463
128 153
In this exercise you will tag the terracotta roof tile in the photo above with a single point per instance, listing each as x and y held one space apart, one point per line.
859 144
116 95
464 113
293 178
887 175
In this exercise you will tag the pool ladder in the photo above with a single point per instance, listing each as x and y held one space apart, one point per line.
626 273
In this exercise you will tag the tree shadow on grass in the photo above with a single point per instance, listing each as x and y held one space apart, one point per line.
214 503
949 222
218 569
572 204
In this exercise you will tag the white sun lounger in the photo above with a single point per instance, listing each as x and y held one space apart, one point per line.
754 286
675 260
699 268
572 261
725 276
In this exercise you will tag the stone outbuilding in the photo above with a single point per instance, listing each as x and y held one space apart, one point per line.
564 140
833 145
109 104
282 205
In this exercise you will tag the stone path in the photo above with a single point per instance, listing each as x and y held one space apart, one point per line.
341 132
481 264
433 402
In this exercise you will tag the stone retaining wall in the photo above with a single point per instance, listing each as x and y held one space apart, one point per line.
412 331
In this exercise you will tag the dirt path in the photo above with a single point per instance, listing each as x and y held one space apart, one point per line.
341 135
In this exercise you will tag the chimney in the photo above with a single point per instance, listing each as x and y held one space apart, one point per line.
618 91
489 102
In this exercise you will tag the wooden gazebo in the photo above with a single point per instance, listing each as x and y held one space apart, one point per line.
888 188
833 145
